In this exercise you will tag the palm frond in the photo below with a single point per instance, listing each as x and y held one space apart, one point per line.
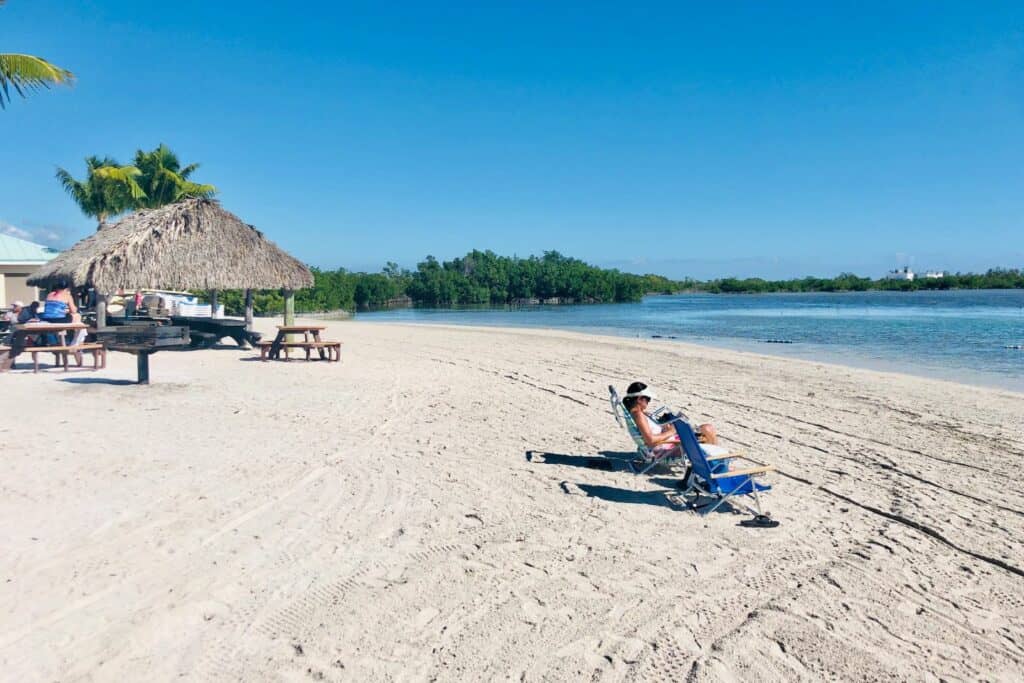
94 162
107 190
190 189
25 73
168 159
124 176
71 186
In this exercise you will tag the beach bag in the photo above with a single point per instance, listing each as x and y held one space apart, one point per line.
54 310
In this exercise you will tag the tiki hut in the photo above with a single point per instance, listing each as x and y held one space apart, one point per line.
192 244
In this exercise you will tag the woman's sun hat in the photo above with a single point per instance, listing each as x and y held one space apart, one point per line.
646 392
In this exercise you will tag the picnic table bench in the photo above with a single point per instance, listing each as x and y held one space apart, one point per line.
60 354
21 333
326 350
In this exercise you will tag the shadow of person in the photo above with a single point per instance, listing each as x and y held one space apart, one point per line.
588 461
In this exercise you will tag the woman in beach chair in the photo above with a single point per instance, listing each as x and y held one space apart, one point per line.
659 435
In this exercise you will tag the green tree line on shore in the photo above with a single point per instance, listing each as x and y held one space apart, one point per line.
484 278
478 278
996 278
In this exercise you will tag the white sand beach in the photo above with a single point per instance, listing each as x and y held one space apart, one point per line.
433 508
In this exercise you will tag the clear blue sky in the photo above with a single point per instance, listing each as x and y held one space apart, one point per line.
713 139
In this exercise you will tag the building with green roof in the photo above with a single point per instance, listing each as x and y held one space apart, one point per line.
18 258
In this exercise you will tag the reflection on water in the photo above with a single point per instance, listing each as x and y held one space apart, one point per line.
960 335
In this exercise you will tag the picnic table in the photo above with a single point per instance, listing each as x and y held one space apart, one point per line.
19 344
206 332
327 350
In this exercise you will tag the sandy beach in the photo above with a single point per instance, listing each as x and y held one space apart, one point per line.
437 506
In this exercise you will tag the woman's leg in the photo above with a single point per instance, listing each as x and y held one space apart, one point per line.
78 341
706 434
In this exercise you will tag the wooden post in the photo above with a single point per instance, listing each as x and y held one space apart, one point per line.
248 310
142 367
101 311
289 309
213 303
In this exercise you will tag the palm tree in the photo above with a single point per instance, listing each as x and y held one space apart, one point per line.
25 73
155 179
164 181
108 188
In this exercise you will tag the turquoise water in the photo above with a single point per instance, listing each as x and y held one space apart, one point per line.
959 335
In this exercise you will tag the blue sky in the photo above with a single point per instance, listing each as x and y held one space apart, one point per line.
711 139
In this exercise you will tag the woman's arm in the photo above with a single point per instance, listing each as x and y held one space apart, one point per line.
70 301
650 438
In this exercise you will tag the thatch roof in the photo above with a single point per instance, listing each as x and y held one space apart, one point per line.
193 244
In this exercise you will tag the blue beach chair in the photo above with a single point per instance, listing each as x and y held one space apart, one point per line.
709 477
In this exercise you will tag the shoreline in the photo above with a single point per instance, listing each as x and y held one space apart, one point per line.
382 518
984 380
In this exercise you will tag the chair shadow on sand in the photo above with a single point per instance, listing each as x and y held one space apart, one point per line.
668 496
613 494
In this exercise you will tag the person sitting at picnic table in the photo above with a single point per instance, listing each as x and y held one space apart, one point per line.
657 435
29 313
8 320
11 316
60 304
60 308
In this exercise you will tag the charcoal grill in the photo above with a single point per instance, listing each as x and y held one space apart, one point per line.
142 339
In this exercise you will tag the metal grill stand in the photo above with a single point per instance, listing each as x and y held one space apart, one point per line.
143 340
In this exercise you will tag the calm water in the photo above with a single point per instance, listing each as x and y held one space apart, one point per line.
959 335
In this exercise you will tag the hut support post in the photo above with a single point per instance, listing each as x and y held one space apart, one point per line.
142 367
289 310
213 303
248 310
101 311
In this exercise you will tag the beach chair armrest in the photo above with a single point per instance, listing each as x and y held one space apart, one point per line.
748 470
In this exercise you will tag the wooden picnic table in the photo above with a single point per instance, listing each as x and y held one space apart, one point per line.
281 340
21 333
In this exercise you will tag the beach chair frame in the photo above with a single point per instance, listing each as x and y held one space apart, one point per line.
710 477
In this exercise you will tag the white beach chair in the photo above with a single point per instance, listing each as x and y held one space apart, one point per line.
648 457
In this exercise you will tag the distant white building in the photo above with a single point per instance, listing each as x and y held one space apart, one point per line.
934 274
18 258
905 274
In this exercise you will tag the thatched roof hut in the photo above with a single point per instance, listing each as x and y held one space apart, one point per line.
193 244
